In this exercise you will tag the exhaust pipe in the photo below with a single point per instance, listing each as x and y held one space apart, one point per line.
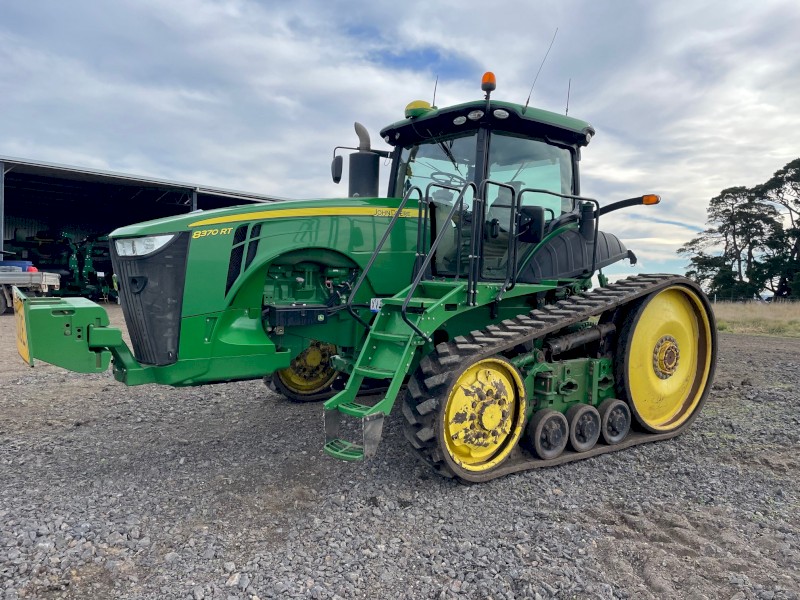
363 167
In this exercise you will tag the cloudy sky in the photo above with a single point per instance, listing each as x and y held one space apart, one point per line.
687 97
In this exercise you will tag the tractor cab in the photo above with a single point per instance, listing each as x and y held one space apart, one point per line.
510 171
515 169
498 185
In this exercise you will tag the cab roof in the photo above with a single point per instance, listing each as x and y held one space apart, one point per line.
531 122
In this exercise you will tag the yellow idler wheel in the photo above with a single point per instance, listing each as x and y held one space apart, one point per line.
310 376
482 418
666 356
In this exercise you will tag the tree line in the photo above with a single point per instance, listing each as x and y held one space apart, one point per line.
751 243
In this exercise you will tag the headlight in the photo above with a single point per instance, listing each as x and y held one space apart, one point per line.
141 246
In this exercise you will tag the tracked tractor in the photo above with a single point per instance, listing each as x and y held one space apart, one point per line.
464 294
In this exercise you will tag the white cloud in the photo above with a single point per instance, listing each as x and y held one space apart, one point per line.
687 99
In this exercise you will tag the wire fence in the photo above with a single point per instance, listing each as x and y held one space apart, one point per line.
747 300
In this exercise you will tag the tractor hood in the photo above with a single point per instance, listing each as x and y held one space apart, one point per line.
226 217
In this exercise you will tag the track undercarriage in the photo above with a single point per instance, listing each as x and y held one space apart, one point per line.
478 427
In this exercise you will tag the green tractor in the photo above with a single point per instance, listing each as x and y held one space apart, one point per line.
467 287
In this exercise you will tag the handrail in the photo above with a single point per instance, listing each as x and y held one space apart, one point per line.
584 199
478 220
422 224
511 262
377 251
422 229
458 204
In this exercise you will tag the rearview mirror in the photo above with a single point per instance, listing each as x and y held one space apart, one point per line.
531 230
336 168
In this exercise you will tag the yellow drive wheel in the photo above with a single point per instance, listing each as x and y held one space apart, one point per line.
310 375
666 357
482 418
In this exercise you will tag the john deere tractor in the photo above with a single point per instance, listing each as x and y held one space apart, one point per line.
465 291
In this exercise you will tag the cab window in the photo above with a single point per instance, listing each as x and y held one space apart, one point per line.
521 163
447 161
526 163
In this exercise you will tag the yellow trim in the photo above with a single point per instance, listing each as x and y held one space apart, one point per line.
288 213
665 403
484 415
22 331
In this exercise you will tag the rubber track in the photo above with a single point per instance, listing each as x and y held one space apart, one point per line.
438 370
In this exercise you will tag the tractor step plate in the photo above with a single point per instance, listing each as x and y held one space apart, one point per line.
344 450
374 373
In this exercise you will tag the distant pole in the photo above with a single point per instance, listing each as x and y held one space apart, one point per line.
194 200
715 298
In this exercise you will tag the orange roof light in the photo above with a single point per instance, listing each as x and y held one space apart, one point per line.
488 83
651 199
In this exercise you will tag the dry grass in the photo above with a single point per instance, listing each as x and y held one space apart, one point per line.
780 318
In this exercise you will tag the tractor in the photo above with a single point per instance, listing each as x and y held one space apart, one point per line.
466 293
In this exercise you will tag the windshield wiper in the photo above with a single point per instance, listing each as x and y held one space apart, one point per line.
449 155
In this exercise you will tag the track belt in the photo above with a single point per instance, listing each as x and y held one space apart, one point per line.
440 367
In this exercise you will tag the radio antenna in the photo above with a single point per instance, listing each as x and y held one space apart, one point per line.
435 85
539 71
569 85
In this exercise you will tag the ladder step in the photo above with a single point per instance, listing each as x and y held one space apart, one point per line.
374 373
344 450
354 409
389 337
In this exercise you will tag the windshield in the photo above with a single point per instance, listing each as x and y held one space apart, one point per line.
448 161
526 163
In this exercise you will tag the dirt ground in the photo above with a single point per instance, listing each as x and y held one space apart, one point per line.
108 491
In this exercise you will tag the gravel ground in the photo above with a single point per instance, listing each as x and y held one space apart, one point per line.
223 492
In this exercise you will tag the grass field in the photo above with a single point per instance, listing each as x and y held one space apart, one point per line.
780 318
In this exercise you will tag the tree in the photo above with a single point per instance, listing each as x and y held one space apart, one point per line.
783 190
747 233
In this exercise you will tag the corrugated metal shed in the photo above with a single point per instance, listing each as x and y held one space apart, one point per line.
36 196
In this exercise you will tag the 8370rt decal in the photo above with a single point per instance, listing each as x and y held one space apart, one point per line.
199 233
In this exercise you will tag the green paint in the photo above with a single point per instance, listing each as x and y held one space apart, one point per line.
559 385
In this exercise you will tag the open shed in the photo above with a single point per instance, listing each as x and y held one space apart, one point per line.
57 217
38 198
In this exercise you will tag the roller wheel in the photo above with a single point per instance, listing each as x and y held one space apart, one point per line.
467 418
584 427
310 377
666 357
547 433
615 421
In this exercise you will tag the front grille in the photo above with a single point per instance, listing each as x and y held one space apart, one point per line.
151 294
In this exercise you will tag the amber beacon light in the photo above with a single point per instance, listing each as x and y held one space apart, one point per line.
488 82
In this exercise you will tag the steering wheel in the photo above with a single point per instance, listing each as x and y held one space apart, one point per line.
448 178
